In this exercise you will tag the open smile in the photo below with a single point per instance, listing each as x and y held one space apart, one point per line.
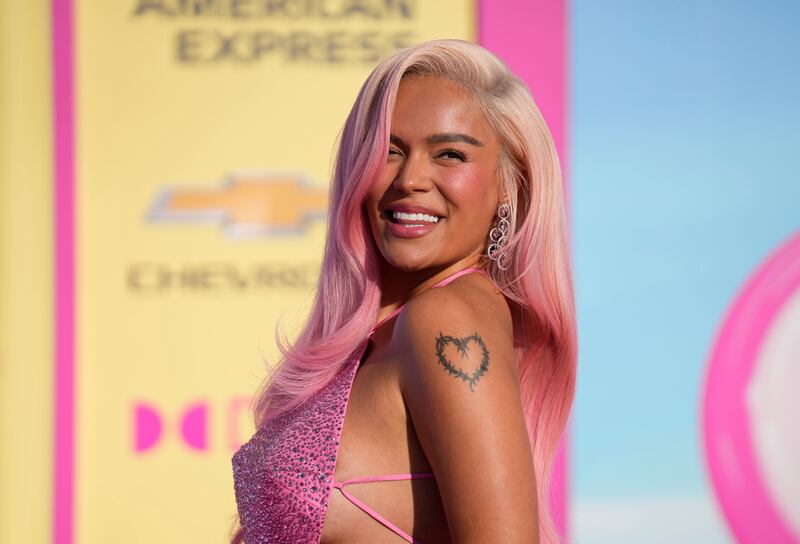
411 225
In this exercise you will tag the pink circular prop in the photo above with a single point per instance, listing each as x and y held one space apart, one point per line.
732 454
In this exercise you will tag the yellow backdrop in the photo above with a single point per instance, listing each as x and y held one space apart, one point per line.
203 148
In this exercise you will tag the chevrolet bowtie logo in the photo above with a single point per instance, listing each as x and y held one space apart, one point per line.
246 205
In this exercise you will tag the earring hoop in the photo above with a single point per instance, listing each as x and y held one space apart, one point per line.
498 237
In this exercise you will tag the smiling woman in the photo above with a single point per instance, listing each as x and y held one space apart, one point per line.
453 414
442 161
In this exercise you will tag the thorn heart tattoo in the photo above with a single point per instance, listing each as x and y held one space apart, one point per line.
463 347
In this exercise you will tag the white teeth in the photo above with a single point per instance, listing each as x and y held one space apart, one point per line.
415 217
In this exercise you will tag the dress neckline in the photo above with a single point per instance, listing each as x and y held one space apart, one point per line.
443 281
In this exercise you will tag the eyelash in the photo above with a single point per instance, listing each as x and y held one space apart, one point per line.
461 156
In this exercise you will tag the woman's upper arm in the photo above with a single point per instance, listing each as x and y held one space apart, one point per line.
460 384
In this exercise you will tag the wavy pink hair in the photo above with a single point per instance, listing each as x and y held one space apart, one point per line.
538 284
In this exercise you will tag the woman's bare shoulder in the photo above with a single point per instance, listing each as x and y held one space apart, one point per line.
469 298
458 379
467 313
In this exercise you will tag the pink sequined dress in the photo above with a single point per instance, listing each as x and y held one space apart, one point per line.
284 475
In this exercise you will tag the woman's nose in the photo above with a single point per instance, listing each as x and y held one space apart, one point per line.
414 174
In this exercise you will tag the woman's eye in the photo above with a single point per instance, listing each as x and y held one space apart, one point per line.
453 153
449 153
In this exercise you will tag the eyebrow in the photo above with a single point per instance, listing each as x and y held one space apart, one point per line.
442 137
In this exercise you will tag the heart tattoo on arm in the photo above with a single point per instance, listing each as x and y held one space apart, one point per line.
462 345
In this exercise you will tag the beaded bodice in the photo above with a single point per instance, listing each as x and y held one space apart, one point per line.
283 475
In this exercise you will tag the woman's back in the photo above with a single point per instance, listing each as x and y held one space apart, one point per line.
347 465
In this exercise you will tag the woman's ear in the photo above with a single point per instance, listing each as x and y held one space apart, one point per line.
503 197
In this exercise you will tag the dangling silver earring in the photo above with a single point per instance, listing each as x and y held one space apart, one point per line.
497 235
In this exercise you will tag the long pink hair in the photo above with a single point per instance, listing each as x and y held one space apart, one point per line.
538 284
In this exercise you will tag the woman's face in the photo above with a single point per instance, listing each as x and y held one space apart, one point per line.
442 157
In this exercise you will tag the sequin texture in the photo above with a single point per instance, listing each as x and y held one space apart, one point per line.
283 475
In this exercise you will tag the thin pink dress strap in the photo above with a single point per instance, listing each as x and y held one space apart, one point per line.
458 274
365 479
440 283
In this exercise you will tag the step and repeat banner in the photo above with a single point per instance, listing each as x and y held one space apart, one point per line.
204 137
165 168
190 146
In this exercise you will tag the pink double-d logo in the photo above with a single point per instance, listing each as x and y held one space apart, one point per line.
191 426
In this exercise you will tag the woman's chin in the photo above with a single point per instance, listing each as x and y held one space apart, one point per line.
407 259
